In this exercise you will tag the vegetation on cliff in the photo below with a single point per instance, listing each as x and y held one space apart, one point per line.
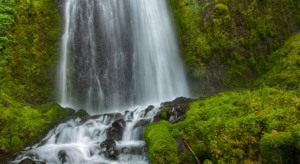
227 44
29 45
259 125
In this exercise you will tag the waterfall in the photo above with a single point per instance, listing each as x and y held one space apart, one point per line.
117 54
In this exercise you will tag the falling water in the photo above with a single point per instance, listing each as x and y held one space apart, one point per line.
119 53
116 54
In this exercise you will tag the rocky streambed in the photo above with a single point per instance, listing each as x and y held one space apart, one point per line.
104 138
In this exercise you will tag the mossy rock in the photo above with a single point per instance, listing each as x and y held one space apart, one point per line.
277 147
16 144
162 146
296 135
221 9
80 113
207 161
165 113
4 142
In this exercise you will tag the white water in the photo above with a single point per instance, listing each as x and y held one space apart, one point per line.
116 54
81 141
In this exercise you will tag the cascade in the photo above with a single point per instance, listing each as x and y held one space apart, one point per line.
116 55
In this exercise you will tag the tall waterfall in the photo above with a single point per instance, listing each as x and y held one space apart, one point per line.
119 53
115 54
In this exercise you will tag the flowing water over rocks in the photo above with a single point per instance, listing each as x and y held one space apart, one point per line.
106 138
116 54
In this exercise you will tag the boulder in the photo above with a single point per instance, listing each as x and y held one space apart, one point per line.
116 131
142 123
27 161
150 107
81 113
178 119
62 156
157 117
178 106
110 149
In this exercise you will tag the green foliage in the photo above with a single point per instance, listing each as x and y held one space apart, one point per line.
4 142
16 144
29 47
164 113
242 35
80 113
228 127
207 162
221 9
285 65
28 124
277 147
162 146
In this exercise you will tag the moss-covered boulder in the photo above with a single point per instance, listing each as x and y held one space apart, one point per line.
80 113
162 146
16 144
28 124
278 148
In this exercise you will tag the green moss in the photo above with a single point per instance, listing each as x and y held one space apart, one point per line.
296 135
80 113
284 70
16 144
4 142
162 146
277 147
207 162
241 35
228 127
33 40
29 123
221 9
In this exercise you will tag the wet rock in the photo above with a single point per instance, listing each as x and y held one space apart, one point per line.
81 113
129 114
27 161
33 155
108 142
62 156
4 150
180 144
110 149
44 142
178 107
178 119
69 111
157 117
110 117
150 107
142 123
117 129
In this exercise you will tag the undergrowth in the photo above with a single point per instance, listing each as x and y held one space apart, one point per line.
239 34
236 126
26 125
